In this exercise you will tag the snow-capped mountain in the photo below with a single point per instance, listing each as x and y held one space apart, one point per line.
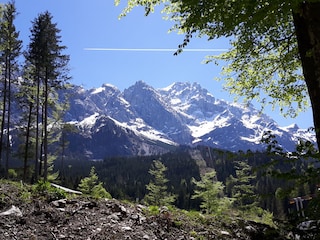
143 120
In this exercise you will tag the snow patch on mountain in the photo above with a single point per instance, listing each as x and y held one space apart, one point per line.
180 114
299 134
103 88
139 127
98 90
89 122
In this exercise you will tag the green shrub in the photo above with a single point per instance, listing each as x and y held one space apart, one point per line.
12 174
98 191
25 196
258 214
44 189
154 210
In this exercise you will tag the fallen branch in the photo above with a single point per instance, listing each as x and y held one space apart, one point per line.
66 189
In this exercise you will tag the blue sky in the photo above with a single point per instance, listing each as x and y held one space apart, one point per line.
95 24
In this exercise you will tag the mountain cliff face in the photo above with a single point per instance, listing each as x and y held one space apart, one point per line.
142 120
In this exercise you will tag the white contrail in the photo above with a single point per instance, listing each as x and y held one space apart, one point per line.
158 49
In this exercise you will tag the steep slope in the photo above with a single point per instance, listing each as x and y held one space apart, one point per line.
220 124
149 105
102 136
196 103
105 100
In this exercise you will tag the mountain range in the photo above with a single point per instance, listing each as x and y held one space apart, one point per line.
142 120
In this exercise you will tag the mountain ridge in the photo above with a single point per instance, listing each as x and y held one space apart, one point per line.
150 120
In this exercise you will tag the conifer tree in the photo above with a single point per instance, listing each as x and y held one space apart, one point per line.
49 73
91 186
242 185
157 188
9 53
210 191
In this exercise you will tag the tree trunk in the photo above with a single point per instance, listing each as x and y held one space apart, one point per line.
307 27
8 115
36 164
4 109
26 150
63 150
45 126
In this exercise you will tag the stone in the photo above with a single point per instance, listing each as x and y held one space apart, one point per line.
125 228
61 203
12 211
250 229
114 216
146 236
135 217
224 233
123 209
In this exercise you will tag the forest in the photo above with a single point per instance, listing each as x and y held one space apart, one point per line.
250 179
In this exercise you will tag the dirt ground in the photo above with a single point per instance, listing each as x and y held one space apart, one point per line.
90 219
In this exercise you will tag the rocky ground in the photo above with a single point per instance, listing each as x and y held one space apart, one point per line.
23 216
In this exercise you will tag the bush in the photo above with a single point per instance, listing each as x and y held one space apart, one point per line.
154 210
12 174
44 188
99 191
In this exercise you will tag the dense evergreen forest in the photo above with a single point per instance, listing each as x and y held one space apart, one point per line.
248 177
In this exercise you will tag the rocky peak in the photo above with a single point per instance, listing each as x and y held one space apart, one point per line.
182 113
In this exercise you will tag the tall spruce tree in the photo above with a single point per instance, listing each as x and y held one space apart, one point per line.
49 73
157 188
10 51
242 186
211 192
